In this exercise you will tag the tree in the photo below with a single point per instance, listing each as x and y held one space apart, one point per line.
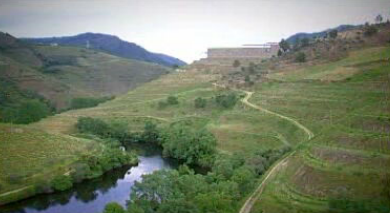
189 145
333 33
61 183
280 52
113 207
379 19
28 112
226 100
300 57
236 63
284 45
200 102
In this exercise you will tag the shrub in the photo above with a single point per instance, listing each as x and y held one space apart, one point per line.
172 100
189 145
226 100
27 112
113 207
300 57
79 103
61 183
93 126
200 102
236 63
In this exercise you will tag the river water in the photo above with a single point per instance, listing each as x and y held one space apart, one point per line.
92 195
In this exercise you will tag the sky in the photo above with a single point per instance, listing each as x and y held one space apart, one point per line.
185 28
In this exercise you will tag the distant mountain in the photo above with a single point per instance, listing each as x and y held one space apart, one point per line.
293 39
112 45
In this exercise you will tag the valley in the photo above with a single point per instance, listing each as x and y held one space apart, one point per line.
275 135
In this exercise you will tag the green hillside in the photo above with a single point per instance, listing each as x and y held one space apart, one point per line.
61 73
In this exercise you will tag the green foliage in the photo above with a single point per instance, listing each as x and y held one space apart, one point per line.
189 145
61 183
284 45
168 191
236 63
113 207
79 103
151 133
300 57
27 112
172 100
200 102
226 100
93 126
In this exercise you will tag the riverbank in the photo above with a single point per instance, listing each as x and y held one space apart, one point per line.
92 195
63 175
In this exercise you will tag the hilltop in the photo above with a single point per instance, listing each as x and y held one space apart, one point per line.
112 45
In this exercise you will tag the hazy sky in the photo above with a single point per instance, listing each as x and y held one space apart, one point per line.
184 28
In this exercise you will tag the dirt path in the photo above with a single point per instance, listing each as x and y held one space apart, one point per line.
295 122
247 207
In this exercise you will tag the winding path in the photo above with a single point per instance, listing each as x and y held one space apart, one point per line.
247 207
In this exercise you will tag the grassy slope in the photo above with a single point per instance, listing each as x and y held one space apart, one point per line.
350 119
30 156
75 72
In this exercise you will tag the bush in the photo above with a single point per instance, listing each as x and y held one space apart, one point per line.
93 126
172 100
27 112
200 102
189 145
61 183
79 103
301 57
226 100
113 207
236 63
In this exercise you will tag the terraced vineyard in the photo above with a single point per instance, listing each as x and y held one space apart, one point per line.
349 155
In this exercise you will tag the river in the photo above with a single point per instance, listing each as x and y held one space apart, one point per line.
92 195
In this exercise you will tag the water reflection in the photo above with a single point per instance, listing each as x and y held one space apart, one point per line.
91 196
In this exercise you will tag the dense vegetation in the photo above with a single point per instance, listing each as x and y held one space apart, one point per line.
79 103
21 107
189 145
226 100
232 177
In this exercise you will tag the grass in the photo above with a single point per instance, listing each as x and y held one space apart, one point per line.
30 156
